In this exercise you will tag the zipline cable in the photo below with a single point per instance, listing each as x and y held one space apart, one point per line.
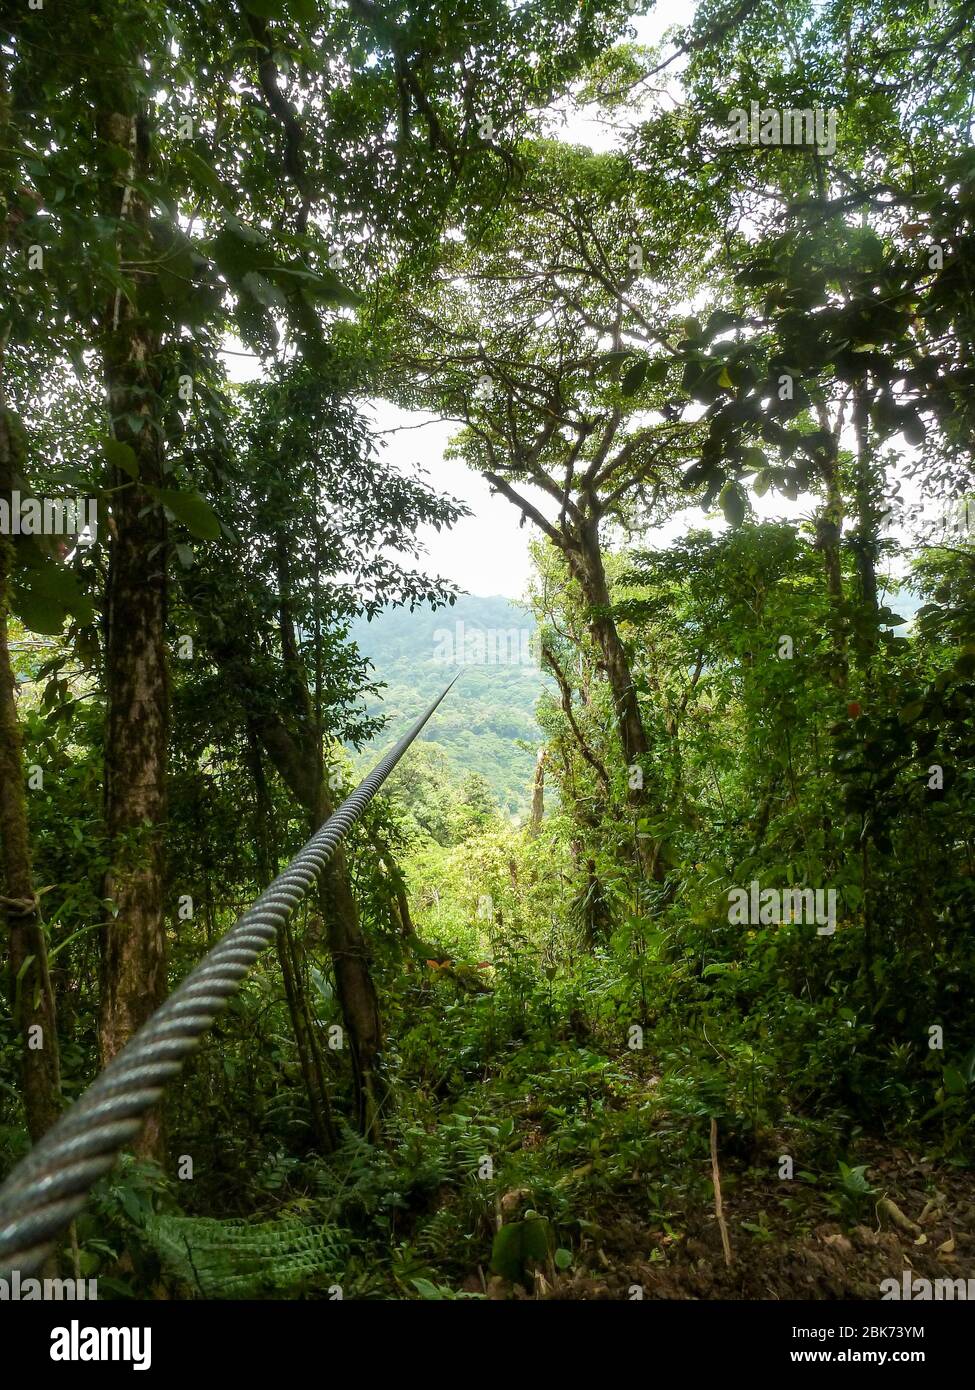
50 1186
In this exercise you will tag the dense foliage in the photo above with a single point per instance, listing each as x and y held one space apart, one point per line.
675 902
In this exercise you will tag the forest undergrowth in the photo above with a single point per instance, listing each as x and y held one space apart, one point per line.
548 1133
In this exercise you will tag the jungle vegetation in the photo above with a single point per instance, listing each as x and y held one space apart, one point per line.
726 381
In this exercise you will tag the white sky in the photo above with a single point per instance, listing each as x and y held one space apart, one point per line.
485 553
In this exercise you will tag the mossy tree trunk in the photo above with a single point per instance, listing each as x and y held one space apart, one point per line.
133 958
31 995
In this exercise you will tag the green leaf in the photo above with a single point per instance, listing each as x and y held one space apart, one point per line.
733 503
516 1244
235 255
634 377
614 360
563 1258
45 596
263 290
720 321
912 426
324 285
427 1290
954 1082
252 235
758 273
192 510
911 712
121 456
854 1180
207 177
37 613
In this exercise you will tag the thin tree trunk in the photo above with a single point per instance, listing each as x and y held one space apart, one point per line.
538 795
31 995
868 515
829 531
354 984
302 1023
293 754
565 690
306 1038
32 1003
586 565
399 902
133 965
403 903
353 978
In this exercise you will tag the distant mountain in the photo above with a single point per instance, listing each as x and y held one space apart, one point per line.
490 641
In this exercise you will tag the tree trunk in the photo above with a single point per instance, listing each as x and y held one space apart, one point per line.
306 1039
400 903
868 516
302 1022
586 565
133 967
550 660
353 981
298 763
403 904
829 531
31 995
538 795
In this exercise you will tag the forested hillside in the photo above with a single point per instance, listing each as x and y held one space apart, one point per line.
645 971
489 729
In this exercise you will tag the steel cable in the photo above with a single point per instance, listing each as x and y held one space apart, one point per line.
48 1188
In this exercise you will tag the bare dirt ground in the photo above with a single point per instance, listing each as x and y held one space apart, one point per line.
920 1220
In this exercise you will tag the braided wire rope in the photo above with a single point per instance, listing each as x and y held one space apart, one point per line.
48 1188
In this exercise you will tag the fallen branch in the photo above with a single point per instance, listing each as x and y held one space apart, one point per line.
716 1179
